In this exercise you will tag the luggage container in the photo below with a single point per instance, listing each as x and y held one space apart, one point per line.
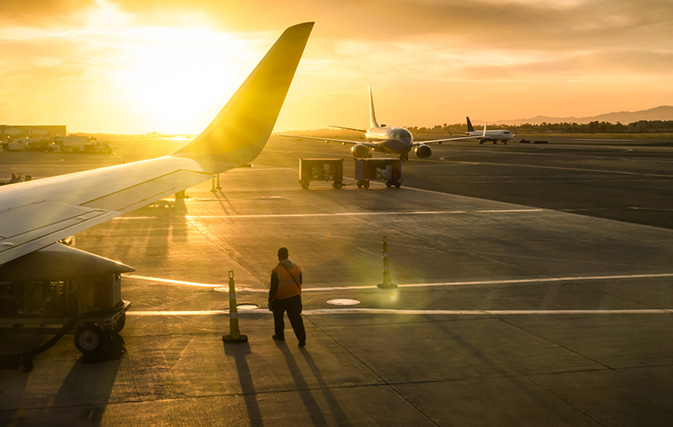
321 170
381 169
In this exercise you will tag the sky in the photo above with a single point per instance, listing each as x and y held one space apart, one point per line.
139 66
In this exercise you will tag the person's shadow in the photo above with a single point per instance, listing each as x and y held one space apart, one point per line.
339 415
312 407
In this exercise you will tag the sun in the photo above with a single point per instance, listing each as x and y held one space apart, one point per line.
176 79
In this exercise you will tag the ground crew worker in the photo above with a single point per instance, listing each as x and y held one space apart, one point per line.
285 295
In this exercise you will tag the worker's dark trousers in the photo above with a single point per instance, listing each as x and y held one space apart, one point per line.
293 307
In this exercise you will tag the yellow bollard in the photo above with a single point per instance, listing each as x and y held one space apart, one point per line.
234 333
386 267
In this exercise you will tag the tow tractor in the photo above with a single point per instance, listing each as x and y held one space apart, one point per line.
56 291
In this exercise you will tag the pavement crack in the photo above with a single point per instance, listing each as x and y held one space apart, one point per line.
383 380
557 344
566 401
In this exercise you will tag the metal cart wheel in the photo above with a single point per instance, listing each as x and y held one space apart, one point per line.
359 183
366 184
337 184
89 338
397 184
305 184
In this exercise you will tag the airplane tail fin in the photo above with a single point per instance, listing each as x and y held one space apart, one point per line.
372 116
484 133
470 128
241 129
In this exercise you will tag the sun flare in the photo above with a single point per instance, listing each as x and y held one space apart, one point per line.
177 78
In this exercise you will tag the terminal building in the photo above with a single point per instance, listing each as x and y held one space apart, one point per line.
8 132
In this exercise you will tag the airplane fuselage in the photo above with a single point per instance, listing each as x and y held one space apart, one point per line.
491 135
391 139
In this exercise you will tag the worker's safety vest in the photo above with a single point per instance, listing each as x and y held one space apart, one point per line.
288 281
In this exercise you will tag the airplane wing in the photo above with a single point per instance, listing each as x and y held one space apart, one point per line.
347 128
340 141
439 141
35 214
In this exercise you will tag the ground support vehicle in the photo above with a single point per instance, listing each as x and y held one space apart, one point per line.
378 169
321 170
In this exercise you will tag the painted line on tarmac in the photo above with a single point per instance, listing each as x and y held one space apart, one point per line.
348 214
540 280
483 312
224 287
406 312
327 215
566 168
171 281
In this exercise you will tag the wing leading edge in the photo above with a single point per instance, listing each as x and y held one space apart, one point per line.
35 214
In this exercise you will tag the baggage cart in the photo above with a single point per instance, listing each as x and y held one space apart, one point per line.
379 169
321 170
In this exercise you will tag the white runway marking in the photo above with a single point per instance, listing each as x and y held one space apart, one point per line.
347 214
409 312
565 168
243 288
452 212
171 281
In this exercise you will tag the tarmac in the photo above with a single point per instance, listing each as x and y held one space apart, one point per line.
534 287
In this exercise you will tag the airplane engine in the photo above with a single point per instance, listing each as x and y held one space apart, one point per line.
360 151
423 151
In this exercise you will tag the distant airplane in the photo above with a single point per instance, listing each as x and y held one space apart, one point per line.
487 135
396 140
36 215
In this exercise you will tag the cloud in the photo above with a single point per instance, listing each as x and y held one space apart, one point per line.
442 51
42 13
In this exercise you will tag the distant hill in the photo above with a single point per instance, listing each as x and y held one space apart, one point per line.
624 117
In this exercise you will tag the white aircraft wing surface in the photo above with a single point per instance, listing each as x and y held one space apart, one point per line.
340 141
439 141
35 214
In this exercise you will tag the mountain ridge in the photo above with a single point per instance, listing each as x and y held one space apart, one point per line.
663 112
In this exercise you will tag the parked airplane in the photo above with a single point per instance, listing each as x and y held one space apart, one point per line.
396 140
488 135
44 281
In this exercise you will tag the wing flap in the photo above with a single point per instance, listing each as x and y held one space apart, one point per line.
148 191
45 214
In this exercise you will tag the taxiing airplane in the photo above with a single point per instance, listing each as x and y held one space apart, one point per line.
36 215
396 140
487 135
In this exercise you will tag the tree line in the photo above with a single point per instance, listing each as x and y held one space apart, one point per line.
642 126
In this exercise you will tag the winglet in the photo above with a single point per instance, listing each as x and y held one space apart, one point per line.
372 117
241 129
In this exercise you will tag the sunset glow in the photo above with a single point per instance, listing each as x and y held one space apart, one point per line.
136 67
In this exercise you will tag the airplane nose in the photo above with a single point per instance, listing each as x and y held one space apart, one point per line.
397 146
